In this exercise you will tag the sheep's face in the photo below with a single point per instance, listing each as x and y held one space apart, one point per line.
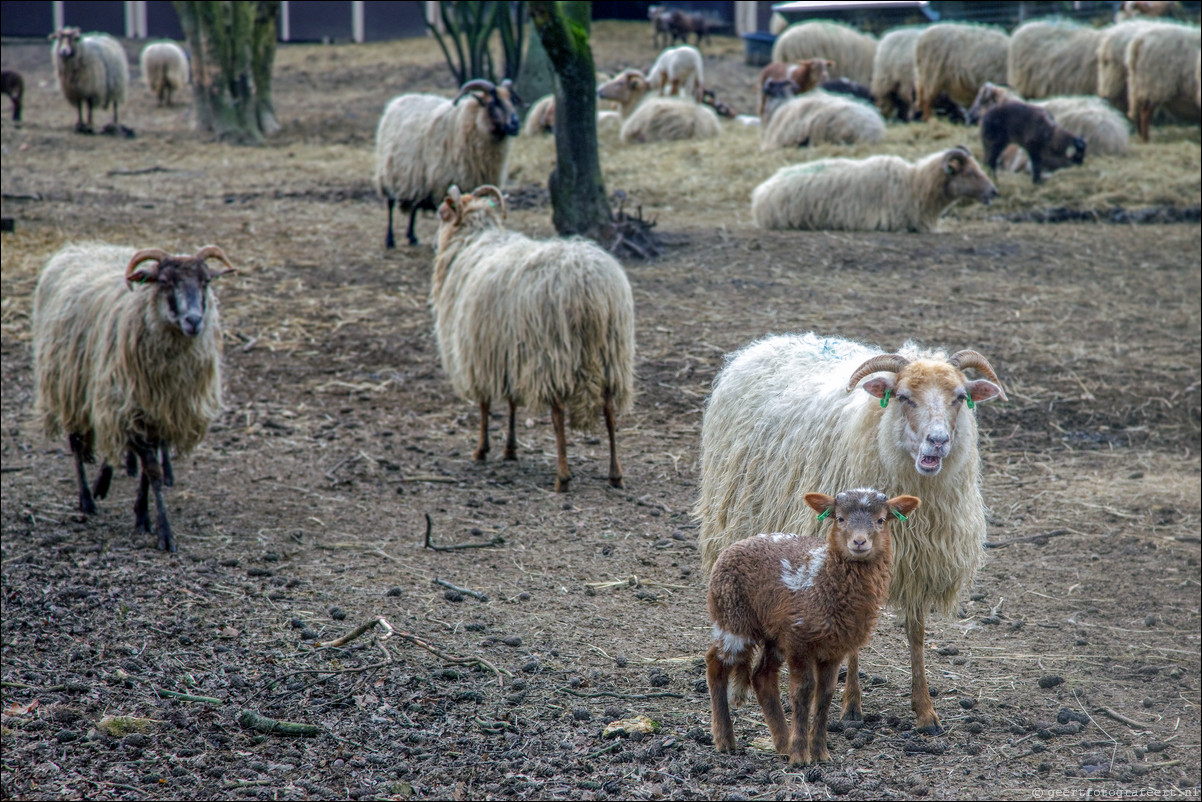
810 73
180 285
66 42
860 520
963 177
628 86
502 111
990 95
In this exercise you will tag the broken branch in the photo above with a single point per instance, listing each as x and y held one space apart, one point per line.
429 544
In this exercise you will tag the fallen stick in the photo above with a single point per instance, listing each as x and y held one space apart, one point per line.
999 544
356 632
425 477
496 541
142 171
253 721
183 697
450 658
465 591
1119 717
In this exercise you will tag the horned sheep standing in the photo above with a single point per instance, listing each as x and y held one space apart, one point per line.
164 69
782 416
426 143
127 357
541 323
91 70
880 193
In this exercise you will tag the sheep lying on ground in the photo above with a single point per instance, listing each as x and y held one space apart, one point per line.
819 117
807 601
128 360
91 70
957 59
1104 130
1161 71
1050 58
665 119
802 75
880 193
426 143
783 416
678 68
853 52
164 69
1048 145
540 323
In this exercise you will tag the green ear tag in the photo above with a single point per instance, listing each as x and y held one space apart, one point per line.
971 404
885 400
900 517
824 515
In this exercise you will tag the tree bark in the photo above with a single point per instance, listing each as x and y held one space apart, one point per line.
577 188
233 50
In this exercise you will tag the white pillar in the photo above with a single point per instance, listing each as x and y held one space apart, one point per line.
56 14
285 28
746 14
357 26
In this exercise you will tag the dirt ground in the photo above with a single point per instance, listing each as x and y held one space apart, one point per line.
1072 669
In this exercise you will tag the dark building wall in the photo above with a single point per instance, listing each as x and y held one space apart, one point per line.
393 20
27 18
723 10
162 22
107 16
317 20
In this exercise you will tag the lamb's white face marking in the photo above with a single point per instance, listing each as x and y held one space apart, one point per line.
801 578
730 644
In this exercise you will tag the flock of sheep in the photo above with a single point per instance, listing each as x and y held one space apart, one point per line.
127 343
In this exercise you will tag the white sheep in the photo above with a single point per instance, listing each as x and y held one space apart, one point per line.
1052 57
819 117
957 59
782 418
802 76
852 51
667 119
807 601
128 360
880 193
678 68
893 72
540 323
1112 60
426 143
91 70
1161 71
164 69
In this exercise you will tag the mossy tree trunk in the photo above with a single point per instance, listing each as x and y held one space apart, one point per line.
233 50
577 189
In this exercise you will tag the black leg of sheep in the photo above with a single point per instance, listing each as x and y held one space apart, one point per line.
152 479
511 441
81 450
481 452
168 473
100 488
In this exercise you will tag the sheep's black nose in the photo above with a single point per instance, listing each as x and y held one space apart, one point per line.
192 324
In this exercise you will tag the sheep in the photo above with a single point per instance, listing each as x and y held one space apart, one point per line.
804 75
127 358
843 86
781 417
665 22
164 69
13 85
893 72
1136 9
1033 129
666 119
627 90
807 601
541 117
819 117
1161 70
1104 130
542 323
1112 61
91 70
853 52
426 143
773 95
880 193
678 68
956 59
1049 57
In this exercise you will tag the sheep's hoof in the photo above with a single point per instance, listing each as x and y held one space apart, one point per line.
166 540
83 128
853 714
480 455
561 484
511 454
616 481
86 505
103 481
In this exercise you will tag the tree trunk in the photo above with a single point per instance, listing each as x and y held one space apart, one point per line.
577 189
233 49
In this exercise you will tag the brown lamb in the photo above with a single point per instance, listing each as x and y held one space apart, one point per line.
1033 129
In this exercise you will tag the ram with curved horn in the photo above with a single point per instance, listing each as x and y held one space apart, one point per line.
426 143
127 356
783 419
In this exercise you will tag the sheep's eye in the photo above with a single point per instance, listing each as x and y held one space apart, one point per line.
880 521
961 398
840 520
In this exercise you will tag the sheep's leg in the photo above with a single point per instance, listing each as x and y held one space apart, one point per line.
1036 156
920 695
615 467
390 240
826 674
131 464
1145 120
168 473
481 452
765 681
562 474
100 488
717 674
80 126
412 220
852 701
86 505
801 693
511 440
152 474
141 516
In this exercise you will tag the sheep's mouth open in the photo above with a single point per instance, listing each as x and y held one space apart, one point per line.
929 463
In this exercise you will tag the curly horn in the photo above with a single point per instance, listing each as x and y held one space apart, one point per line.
472 86
157 254
971 359
489 189
890 362
212 251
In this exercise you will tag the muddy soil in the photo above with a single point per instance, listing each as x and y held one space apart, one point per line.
1071 668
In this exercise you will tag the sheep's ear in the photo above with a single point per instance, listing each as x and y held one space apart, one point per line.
447 212
904 504
143 273
819 502
982 390
878 387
